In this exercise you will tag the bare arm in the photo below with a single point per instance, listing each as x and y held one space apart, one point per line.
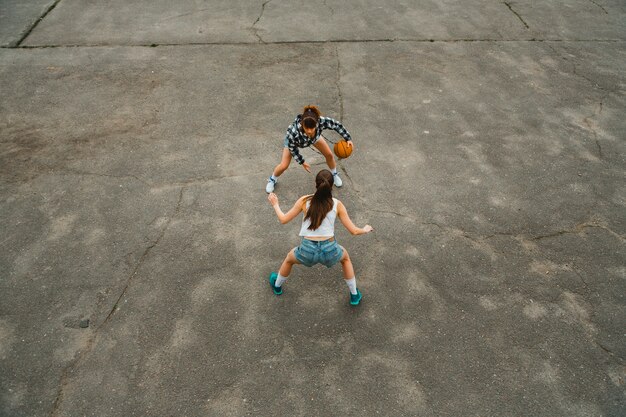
293 149
291 214
347 222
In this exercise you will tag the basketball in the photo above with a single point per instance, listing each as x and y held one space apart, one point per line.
342 150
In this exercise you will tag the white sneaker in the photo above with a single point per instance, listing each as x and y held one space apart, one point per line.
269 188
337 180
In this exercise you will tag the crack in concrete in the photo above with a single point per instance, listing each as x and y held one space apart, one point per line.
253 27
609 351
353 184
338 83
516 14
599 147
589 80
579 228
588 324
144 256
196 181
593 130
34 25
445 229
184 183
580 276
184 14
449 230
600 6
66 171
413 219
65 374
586 120
380 40
584 77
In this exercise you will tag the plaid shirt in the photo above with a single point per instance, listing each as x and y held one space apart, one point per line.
298 139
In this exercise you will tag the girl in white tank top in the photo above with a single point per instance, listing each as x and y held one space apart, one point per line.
318 243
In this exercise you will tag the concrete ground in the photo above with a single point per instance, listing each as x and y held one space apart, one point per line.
136 138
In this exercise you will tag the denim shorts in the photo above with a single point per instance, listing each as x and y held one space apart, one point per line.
325 252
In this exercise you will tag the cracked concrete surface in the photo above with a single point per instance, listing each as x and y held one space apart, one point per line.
521 19
134 147
65 375
256 30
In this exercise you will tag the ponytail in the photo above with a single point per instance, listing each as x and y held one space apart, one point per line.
322 200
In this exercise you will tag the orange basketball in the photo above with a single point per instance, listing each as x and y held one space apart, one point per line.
342 150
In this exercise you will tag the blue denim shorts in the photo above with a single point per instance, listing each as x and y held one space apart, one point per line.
325 252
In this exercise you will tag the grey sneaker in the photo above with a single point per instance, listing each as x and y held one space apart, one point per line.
337 180
269 188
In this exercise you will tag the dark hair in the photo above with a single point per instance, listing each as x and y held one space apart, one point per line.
310 116
322 200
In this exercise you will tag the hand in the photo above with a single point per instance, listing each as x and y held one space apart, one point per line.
368 228
273 199
350 144
306 166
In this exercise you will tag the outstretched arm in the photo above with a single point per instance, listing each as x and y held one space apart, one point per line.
291 214
347 222
328 123
293 149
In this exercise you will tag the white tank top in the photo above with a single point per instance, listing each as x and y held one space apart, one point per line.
327 227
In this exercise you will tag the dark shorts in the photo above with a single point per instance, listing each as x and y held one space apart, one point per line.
325 252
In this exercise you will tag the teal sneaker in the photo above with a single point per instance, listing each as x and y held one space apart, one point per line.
355 299
278 290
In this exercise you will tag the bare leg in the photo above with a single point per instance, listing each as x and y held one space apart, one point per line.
322 146
290 260
346 265
284 163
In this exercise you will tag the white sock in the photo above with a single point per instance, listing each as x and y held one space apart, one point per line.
334 170
273 177
280 280
351 283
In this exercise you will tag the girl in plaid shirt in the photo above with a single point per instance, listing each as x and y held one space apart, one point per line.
305 131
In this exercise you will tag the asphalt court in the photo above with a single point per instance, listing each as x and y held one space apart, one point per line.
135 142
